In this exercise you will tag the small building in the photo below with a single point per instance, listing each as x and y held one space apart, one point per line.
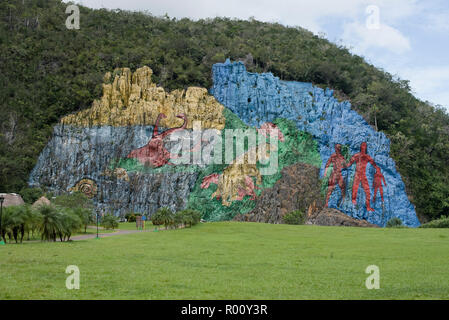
42 201
12 199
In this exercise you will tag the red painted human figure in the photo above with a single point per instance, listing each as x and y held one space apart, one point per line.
361 160
378 179
339 163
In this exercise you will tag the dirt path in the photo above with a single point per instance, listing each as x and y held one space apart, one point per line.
104 235
115 233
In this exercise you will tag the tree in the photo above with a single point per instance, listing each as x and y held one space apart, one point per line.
33 222
73 200
51 224
191 217
70 222
294 217
179 219
163 216
110 221
86 216
13 222
30 195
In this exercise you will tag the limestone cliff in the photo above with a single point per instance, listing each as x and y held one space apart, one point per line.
118 151
297 189
258 98
86 147
131 99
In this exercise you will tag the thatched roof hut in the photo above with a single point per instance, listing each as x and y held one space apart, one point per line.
12 199
40 202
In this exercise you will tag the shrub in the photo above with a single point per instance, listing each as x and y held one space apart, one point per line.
110 221
130 217
58 222
394 223
188 217
442 222
194 216
179 219
163 216
70 222
73 200
156 218
86 216
294 217
30 195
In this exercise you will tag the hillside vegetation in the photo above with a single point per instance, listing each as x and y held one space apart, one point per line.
48 71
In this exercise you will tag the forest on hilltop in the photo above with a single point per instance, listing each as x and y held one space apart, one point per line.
48 71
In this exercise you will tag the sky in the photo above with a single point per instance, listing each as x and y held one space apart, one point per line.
407 38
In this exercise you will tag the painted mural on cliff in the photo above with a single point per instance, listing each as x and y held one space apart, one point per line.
120 151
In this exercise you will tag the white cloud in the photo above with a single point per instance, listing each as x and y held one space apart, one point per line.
304 13
437 22
429 83
364 39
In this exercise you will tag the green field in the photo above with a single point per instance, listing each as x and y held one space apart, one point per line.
230 260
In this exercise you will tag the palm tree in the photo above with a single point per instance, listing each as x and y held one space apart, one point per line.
179 219
191 217
86 216
51 224
31 219
70 222
13 222
165 216
33 222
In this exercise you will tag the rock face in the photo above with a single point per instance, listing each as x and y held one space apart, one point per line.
258 98
333 217
298 189
131 99
85 148
119 152
87 153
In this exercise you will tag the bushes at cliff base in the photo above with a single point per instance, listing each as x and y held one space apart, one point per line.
394 223
294 217
443 222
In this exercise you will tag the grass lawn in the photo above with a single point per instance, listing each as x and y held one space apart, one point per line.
230 260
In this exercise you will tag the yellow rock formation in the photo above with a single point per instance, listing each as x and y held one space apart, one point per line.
234 176
133 99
